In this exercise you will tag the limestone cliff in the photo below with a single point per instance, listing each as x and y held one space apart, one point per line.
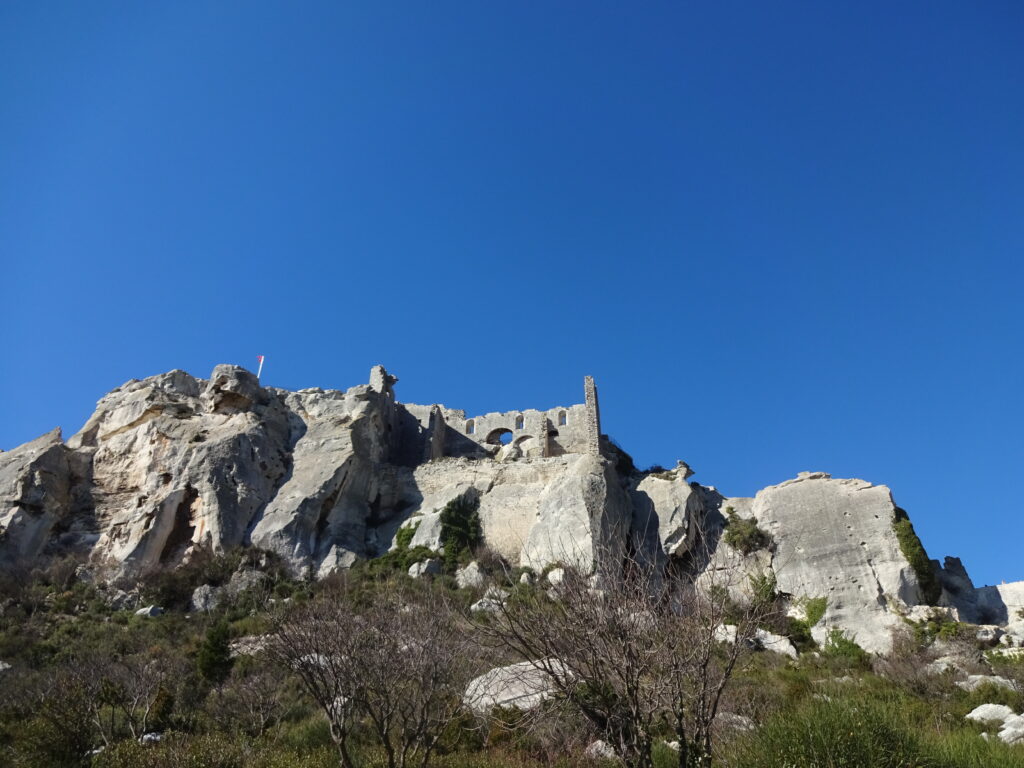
324 478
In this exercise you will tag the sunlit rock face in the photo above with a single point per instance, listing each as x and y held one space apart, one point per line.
834 539
172 464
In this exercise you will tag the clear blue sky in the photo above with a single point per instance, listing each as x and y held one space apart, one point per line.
783 236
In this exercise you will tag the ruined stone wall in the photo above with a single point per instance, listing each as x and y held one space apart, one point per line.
566 427
425 433
593 417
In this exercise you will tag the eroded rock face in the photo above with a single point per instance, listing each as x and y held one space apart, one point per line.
324 478
664 503
177 462
35 493
834 539
172 463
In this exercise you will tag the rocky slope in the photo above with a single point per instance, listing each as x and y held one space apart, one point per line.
173 463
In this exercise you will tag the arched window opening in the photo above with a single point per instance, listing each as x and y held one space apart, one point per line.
471 427
519 421
499 436
563 418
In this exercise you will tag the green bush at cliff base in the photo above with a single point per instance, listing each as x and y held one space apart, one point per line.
915 553
460 529
843 648
214 659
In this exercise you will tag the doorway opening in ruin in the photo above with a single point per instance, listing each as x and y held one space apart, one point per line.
562 418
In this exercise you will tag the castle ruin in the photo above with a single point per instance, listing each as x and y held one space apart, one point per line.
434 431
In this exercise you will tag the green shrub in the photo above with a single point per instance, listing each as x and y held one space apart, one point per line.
938 625
841 647
799 633
914 551
989 693
814 610
403 539
214 658
763 588
833 733
461 530
743 533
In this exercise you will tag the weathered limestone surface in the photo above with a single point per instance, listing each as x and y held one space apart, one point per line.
35 487
834 539
324 478
518 686
328 511
177 462
532 512
172 462
665 505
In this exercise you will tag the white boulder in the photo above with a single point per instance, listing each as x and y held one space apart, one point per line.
470 577
777 643
1012 731
990 712
429 567
524 686
600 750
976 681
834 538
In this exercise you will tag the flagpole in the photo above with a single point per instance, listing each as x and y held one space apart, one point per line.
258 372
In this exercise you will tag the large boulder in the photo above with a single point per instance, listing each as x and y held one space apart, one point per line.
665 504
1012 731
834 539
533 512
990 713
524 686
470 577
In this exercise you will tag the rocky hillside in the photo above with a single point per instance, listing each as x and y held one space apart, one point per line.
171 464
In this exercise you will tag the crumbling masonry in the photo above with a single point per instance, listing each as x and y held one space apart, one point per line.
432 432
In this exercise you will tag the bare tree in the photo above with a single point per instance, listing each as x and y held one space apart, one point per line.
321 642
136 691
651 650
416 669
715 619
401 664
251 701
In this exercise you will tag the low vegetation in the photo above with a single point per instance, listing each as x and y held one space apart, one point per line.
257 682
916 555
743 533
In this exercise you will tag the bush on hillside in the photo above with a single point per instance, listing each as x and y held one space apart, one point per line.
838 733
841 647
461 531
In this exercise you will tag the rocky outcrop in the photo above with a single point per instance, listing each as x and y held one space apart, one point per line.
173 463
322 477
834 539
35 493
